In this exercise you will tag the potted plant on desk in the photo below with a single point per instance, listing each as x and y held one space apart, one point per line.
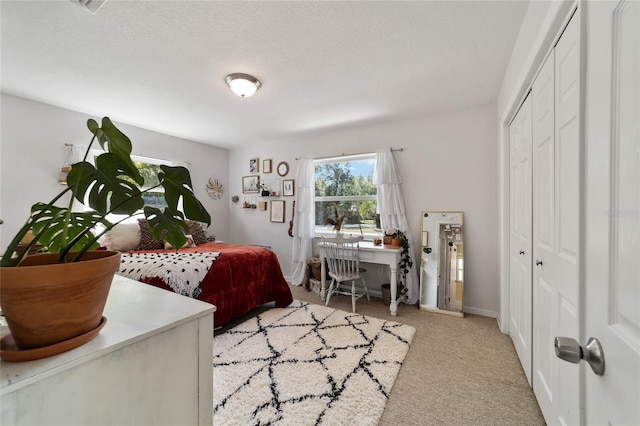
405 263
50 299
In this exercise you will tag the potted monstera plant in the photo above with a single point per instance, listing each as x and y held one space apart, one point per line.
49 299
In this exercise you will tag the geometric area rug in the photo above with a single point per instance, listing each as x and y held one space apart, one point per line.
306 364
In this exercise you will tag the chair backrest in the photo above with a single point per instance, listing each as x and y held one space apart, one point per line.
342 255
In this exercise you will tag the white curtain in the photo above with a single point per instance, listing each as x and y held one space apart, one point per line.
303 222
392 212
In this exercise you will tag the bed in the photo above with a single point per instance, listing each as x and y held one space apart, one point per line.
235 278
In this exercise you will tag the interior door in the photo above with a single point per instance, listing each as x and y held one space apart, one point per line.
520 235
556 219
612 210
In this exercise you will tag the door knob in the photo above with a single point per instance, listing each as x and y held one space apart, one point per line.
569 350
538 262
521 252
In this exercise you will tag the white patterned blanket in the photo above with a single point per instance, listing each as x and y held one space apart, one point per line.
183 272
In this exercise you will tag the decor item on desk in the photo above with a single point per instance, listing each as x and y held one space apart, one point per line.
54 302
405 263
335 221
215 189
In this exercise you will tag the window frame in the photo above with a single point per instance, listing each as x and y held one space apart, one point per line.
323 230
135 158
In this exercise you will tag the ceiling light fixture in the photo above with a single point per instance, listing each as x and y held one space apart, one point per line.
243 85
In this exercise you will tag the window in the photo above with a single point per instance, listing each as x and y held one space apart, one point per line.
149 168
346 183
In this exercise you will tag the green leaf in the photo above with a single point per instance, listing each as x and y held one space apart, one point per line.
53 223
107 188
117 143
167 225
177 185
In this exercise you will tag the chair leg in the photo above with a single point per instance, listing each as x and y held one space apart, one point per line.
366 290
353 295
329 292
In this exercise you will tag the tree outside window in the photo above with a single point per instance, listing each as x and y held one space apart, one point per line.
346 183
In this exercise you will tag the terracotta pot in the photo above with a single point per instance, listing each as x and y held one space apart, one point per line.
45 302
395 242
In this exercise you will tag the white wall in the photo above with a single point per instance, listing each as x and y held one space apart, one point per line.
449 163
32 152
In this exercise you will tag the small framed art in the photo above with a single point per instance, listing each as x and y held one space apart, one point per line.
288 186
250 184
277 211
266 165
254 165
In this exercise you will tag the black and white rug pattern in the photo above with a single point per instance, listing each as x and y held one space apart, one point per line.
307 364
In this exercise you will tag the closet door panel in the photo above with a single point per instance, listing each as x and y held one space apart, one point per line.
556 223
566 266
520 235
545 306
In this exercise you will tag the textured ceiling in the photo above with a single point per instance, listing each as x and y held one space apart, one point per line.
161 65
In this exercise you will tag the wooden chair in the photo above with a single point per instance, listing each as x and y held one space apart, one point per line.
342 259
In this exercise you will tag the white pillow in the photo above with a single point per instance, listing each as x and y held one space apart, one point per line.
123 237
189 243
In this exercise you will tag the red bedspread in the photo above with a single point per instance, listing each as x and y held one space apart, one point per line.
241 279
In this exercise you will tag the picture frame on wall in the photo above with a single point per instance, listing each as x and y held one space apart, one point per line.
250 184
277 211
288 187
254 165
266 165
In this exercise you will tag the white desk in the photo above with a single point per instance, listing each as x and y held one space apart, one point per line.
150 364
369 253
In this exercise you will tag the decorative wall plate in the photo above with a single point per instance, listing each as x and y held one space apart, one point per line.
215 189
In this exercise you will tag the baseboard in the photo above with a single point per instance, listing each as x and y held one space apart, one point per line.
479 311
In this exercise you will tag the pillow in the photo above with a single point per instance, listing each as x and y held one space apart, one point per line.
147 242
189 243
123 237
196 230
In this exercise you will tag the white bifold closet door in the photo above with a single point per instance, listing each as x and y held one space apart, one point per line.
520 235
556 220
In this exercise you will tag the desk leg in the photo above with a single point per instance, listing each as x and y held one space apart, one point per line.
323 281
393 307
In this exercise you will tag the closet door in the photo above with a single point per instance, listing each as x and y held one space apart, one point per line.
520 235
556 155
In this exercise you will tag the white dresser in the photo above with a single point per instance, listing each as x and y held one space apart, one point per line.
150 364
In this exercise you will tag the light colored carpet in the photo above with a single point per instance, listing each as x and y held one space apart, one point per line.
307 365
458 371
